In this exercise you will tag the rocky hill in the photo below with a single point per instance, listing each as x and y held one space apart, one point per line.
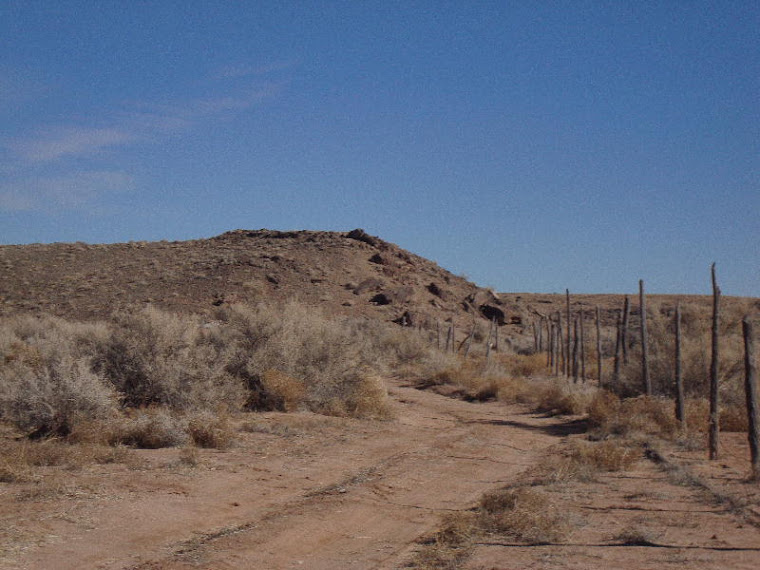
342 272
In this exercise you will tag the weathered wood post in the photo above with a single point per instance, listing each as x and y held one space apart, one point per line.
618 342
575 349
567 360
624 332
453 338
714 406
438 334
561 338
599 348
488 340
540 334
583 348
750 389
644 340
535 336
449 337
469 338
680 414
550 352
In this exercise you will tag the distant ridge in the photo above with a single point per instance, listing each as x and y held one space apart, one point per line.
342 272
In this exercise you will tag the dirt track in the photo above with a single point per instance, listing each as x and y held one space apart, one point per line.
309 491
316 493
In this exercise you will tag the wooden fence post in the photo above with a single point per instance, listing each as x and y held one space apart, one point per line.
583 349
618 342
469 338
448 337
714 407
575 349
438 334
561 338
680 414
624 332
644 340
750 389
488 340
550 352
598 348
567 360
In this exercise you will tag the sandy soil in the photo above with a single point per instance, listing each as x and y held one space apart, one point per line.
307 491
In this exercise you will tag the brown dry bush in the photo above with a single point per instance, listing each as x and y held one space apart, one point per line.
449 546
583 461
46 379
643 415
525 514
155 357
558 398
151 428
209 430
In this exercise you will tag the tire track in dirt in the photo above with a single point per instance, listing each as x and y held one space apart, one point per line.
357 497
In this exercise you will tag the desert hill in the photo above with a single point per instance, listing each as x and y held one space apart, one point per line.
343 272
349 273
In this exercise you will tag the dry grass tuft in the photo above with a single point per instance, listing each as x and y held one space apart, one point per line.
525 514
583 461
151 428
211 431
449 546
558 398
286 392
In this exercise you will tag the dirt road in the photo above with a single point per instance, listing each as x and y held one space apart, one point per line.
298 491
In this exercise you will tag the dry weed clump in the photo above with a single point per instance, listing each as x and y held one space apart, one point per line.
210 430
583 461
524 514
643 415
558 398
450 545
46 378
151 428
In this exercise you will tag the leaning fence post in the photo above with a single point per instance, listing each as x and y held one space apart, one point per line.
714 407
598 348
644 340
624 331
575 349
567 360
618 342
750 389
680 414
583 349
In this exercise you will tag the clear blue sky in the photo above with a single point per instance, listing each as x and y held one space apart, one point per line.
532 146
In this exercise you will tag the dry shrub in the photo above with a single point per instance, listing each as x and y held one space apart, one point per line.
582 461
524 514
210 430
151 428
46 379
287 392
523 365
449 546
633 416
603 410
558 399
154 357
605 455
369 399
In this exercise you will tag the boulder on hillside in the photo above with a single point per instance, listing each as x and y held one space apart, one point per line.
490 312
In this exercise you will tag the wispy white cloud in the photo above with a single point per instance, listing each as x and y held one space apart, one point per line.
247 70
64 192
27 161
59 142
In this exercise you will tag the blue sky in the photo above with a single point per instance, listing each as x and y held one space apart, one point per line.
532 146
